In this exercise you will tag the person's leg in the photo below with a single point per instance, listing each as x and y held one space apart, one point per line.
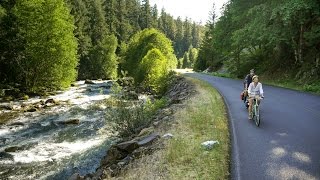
250 107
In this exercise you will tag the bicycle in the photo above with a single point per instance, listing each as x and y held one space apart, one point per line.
256 112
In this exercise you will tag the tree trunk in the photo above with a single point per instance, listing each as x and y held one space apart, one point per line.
298 46
300 50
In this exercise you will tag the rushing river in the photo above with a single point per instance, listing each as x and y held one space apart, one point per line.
47 149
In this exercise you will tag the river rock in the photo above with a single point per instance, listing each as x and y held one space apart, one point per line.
167 136
76 176
5 155
89 82
113 154
128 146
51 101
148 139
17 124
31 109
6 107
12 149
70 121
146 131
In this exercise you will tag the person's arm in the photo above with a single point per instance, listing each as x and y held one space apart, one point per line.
247 77
249 88
261 90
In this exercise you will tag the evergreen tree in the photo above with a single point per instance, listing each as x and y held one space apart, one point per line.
178 46
102 61
146 17
82 32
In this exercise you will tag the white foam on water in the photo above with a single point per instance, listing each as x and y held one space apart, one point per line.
55 151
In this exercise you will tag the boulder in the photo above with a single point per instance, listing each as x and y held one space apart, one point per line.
113 154
146 131
148 139
124 161
51 101
128 146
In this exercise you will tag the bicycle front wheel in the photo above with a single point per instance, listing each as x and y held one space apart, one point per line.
257 116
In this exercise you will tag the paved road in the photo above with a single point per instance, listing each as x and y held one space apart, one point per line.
287 143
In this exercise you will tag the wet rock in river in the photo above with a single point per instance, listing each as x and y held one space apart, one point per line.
17 124
6 107
88 82
5 155
31 109
12 149
70 121
51 101
76 176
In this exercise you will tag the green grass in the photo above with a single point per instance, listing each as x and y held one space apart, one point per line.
203 119
292 84
284 83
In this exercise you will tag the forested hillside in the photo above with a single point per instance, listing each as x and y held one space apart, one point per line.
47 44
279 38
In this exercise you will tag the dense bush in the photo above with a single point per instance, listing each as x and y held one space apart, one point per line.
149 58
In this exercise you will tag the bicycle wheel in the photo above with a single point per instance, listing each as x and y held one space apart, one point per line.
257 115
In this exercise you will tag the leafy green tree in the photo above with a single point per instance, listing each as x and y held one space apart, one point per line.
139 46
153 71
50 48
186 61
193 55
2 12
141 43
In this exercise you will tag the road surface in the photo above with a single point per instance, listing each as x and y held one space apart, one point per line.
287 143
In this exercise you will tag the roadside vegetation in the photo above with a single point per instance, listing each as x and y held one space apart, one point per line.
203 118
279 39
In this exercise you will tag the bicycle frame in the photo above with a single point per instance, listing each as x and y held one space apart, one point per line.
255 111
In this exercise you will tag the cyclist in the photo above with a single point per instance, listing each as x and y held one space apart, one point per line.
248 79
246 83
255 90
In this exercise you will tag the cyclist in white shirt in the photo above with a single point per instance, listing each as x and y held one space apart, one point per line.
255 90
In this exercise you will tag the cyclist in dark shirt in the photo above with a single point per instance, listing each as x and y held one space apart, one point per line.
248 79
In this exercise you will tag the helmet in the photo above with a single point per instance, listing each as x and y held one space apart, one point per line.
255 76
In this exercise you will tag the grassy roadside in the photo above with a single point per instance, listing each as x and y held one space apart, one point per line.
284 83
203 118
